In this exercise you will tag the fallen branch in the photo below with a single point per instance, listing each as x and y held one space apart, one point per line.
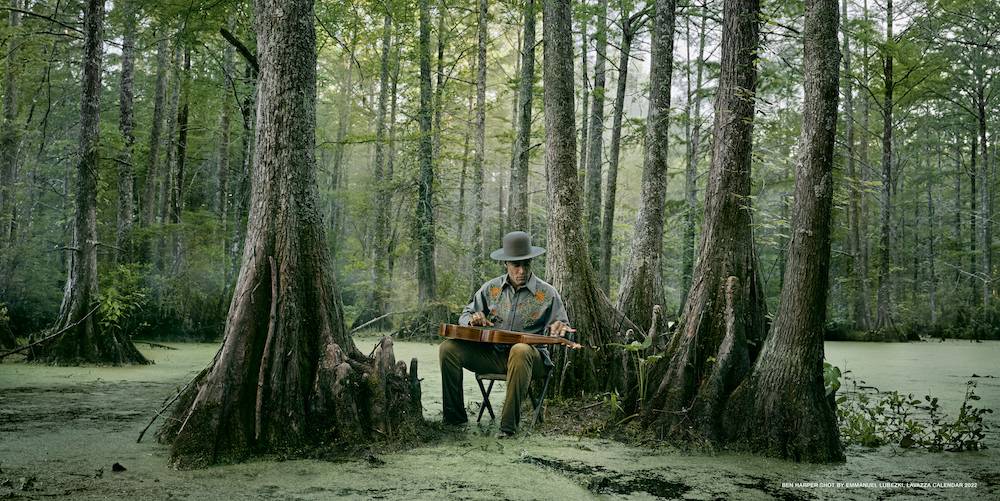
165 407
40 341
155 345
366 324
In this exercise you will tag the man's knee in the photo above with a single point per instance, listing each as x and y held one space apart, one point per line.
521 354
449 350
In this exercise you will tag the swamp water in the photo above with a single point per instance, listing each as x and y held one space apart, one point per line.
61 429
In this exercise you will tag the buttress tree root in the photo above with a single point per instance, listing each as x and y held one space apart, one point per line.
288 378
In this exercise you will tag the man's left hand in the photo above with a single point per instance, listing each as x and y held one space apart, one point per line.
560 329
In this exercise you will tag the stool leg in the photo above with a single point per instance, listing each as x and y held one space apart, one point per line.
541 398
486 400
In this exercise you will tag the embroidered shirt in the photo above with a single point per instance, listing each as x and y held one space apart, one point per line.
530 308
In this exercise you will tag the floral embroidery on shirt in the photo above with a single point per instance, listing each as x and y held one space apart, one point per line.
494 292
540 296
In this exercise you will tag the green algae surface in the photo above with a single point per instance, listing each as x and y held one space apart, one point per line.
62 429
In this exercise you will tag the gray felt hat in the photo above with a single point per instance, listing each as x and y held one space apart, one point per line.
516 247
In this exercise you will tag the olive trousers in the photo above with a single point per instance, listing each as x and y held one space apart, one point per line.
521 363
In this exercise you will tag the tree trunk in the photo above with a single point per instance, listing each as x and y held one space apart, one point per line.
608 224
337 171
694 153
241 196
781 409
641 286
84 340
722 325
973 224
567 263
126 173
426 277
985 215
517 209
166 187
478 176
465 167
595 146
958 208
860 290
439 88
383 192
931 254
288 376
884 320
222 198
152 167
10 139
584 98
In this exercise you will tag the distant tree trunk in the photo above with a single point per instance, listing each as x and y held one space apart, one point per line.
985 215
426 277
478 175
958 207
517 209
383 190
884 321
931 254
608 224
177 192
641 286
595 146
337 171
567 264
973 216
463 175
85 341
148 200
693 154
241 195
781 409
584 97
126 172
166 186
10 139
866 171
288 375
722 325
222 173
390 160
439 88
860 289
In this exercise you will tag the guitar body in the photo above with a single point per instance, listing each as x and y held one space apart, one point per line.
498 336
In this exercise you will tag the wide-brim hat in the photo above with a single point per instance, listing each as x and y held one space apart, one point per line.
516 247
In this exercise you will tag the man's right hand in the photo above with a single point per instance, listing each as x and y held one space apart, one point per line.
479 319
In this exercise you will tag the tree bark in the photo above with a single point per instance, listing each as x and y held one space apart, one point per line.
517 208
86 341
478 176
781 409
595 145
693 155
641 286
722 324
383 193
426 276
148 200
584 96
884 318
860 290
608 224
126 125
985 216
10 139
288 376
567 263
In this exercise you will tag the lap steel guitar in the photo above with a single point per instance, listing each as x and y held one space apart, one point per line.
499 336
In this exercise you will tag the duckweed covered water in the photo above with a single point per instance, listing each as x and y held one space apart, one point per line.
62 429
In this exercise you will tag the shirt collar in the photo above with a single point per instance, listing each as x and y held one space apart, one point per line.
531 284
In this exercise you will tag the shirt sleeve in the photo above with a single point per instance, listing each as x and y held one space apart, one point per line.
557 312
476 303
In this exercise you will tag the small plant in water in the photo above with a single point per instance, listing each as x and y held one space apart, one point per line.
636 352
871 418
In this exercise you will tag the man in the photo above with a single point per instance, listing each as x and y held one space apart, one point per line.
516 301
